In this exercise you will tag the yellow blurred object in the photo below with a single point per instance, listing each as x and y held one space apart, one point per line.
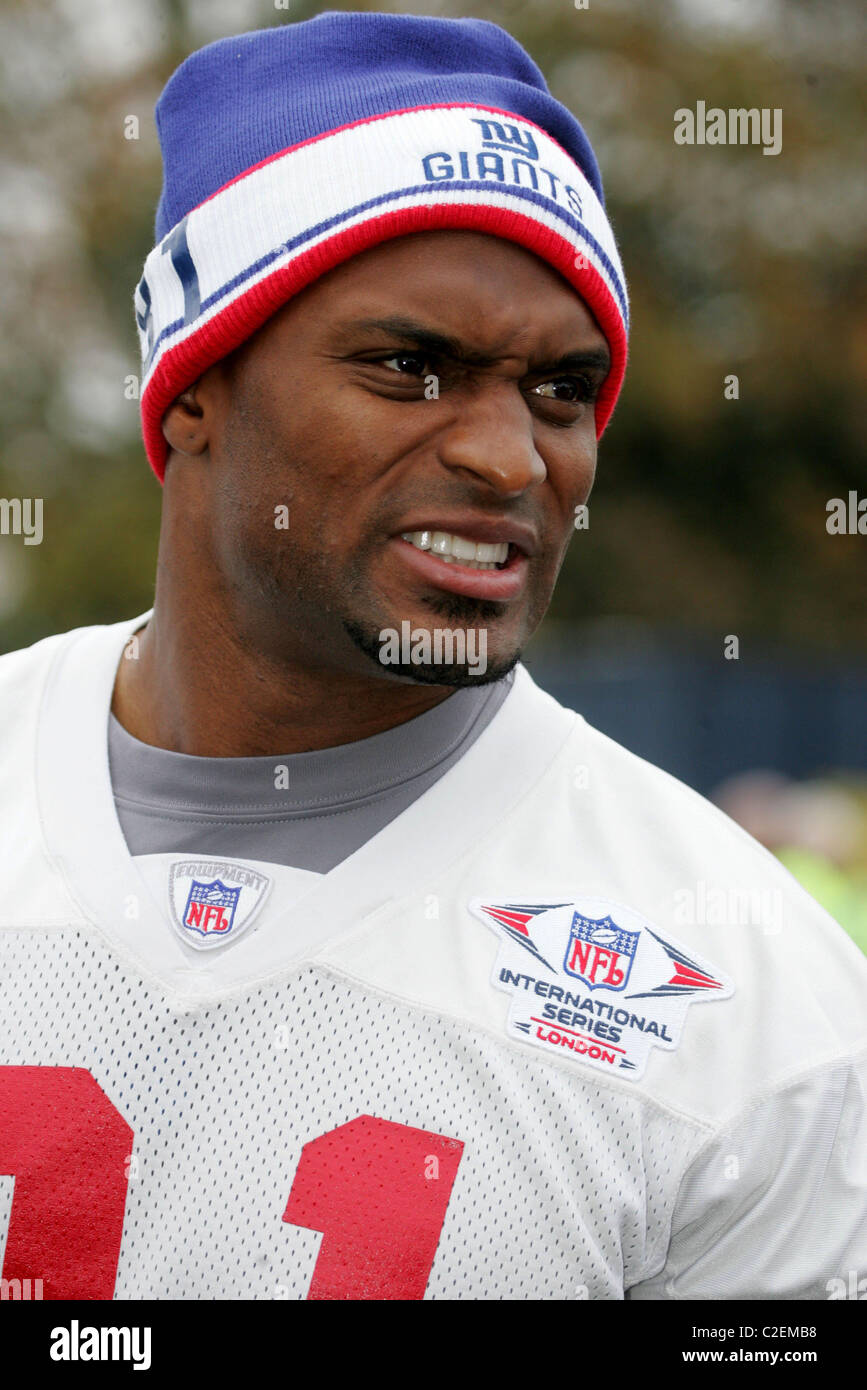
843 895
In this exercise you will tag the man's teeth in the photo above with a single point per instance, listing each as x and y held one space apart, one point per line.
477 555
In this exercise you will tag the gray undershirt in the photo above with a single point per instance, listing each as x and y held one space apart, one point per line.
306 810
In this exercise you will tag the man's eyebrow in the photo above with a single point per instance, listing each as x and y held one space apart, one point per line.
445 345
590 357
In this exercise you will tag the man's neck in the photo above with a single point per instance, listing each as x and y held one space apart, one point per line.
205 696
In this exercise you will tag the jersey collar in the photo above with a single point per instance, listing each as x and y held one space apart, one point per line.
84 837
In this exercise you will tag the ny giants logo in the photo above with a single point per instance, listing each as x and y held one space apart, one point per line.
499 141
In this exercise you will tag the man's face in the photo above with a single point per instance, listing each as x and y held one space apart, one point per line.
438 385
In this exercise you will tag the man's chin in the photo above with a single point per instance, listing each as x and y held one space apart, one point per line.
454 677
425 655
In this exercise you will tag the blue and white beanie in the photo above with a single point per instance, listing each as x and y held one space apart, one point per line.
289 150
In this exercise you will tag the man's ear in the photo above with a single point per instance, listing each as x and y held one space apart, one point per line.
184 424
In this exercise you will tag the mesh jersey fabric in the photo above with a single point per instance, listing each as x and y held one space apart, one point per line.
560 1193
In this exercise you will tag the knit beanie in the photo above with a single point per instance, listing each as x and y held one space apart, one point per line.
289 150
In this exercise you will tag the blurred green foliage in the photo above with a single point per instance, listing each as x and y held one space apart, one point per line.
707 512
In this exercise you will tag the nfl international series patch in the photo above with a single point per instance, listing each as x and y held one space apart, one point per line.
212 901
593 980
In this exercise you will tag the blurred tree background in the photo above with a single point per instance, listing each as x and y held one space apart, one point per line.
708 514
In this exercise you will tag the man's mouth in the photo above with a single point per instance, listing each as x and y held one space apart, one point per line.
454 549
494 568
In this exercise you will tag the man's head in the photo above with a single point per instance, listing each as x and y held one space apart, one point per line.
440 383
385 319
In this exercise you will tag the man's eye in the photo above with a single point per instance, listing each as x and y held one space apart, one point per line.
418 362
570 389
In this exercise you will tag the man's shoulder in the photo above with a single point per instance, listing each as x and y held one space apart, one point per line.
25 669
38 690
676 825
621 839
24 674
24 663
33 890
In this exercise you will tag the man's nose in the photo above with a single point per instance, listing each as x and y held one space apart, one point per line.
491 436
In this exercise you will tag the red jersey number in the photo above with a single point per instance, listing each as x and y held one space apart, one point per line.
377 1190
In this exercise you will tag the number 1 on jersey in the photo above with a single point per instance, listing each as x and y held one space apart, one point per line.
378 1191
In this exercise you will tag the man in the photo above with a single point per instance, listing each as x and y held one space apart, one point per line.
338 960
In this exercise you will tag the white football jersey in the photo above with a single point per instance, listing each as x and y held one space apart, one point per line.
559 1031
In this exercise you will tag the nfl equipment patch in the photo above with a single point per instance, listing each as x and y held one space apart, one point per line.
212 901
592 980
